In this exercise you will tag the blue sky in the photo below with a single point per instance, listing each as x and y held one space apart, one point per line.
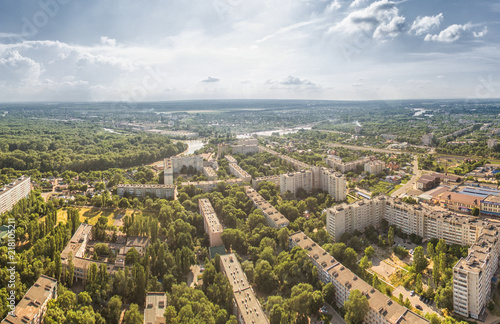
129 50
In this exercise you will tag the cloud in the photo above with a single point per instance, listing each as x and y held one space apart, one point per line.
108 41
381 19
210 80
481 33
291 80
16 68
423 25
450 34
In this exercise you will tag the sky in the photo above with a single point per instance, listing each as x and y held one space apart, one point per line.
155 50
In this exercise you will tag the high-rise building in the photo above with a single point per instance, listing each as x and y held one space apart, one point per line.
13 192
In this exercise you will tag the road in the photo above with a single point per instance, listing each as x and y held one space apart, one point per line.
366 148
410 184
415 300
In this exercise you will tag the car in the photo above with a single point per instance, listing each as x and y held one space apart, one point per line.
412 293
202 269
323 310
421 298
418 307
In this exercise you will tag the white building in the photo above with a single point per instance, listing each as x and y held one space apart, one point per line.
375 167
238 172
13 192
143 190
209 173
273 217
211 222
492 142
196 161
294 180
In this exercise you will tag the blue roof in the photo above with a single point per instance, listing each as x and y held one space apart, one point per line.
495 171
483 192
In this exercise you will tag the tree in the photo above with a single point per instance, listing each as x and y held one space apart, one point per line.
418 284
132 257
356 307
430 250
420 262
84 299
114 310
329 293
444 298
123 203
171 315
369 251
475 211
375 281
132 315
350 258
364 263
265 279
390 236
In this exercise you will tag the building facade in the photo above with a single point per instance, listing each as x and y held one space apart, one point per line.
374 167
211 222
238 172
140 190
273 217
13 192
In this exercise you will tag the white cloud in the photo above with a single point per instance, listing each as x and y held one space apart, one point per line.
481 33
423 25
210 80
15 68
381 19
450 34
108 41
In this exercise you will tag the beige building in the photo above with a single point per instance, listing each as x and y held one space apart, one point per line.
274 179
238 172
472 275
294 180
168 173
209 173
230 159
211 222
315 178
491 205
140 190
273 217
13 192
374 167
156 303
246 306
246 146
382 308
334 183
196 161
208 186
31 309
337 164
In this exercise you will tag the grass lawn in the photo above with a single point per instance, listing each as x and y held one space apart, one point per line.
381 186
351 199
395 188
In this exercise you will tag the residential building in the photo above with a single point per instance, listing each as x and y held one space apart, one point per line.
211 222
274 179
195 161
13 192
31 309
230 159
382 308
334 183
246 306
143 190
298 165
221 150
238 172
292 181
273 217
459 201
156 303
472 275
168 173
248 141
491 205
375 167
492 142
209 173
337 164
246 146
208 186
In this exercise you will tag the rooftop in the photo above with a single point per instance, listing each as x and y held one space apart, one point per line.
156 302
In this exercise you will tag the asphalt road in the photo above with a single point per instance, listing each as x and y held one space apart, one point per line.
410 184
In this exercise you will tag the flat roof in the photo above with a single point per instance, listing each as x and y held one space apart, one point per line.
12 185
268 209
156 302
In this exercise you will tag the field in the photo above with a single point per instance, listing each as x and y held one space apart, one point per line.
92 214
381 186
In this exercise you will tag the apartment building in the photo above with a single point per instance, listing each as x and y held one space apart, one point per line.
209 173
337 164
246 146
31 309
472 275
230 159
13 192
238 172
208 186
168 173
196 161
273 217
211 222
292 181
80 248
152 190
382 308
246 306
274 179
156 303
491 205
334 183
298 165
374 167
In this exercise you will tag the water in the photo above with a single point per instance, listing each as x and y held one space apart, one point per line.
193 146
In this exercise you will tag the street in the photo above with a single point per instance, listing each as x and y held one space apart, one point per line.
410 184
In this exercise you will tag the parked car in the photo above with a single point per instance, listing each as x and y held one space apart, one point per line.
418 307
412 293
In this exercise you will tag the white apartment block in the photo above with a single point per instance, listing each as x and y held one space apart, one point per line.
315 178
382 308
472 275
294 180
246 306
276 179
209 173
374 167
211 222
31 309
334 183
13 192
273 217
152 190
196 161
238 172
336 163
168 173
208 186
230 159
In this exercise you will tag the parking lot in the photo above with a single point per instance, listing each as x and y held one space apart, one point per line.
426 308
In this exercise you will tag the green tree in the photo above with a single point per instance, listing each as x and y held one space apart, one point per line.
350 258
123 203
328 291
356 307
369 251
132 315
430 250
364 263
418 284
114 309
420 262
390 236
